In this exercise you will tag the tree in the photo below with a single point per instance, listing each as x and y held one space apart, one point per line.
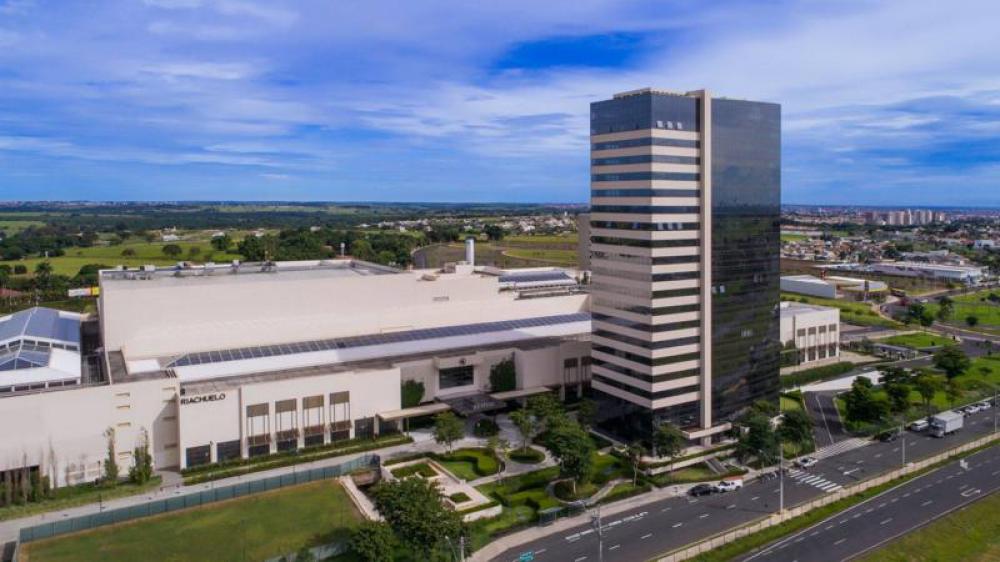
586 413
305 554
757 439
953 391
222 243
411 393
142 462
373 542
573 450
971 320
918 313
946 307
258 248
414 509
525 426
546 409
172 251
110 464
952 360
860 403
927 386
634 453
796 427
895 383
503 376
668 441
362 250
43 274
493 232
194 251
448 429
128 252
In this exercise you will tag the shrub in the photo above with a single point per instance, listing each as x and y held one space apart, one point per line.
527 456
421 469
459 497
484 462
485 428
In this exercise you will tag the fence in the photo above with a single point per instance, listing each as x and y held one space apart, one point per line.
761 524
195 499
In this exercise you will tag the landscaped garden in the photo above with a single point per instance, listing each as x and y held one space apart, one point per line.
256 527
470 464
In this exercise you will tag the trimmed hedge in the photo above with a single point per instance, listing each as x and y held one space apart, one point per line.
459 497
239 467
816 374
526 456
422 469
484 463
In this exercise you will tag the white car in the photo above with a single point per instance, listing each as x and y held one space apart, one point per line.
919 425
984 405
806 462
729 485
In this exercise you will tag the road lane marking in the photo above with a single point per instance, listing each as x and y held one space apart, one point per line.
883 504
971 492
838 542
755 498
886 521
646 536
615 547
677 525
580 559
732 506
926 503
702 516
664 510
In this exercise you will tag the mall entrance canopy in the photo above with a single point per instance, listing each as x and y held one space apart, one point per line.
471 404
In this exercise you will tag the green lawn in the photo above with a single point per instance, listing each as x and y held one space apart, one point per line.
858 313
971 535
12 227
918 340
974 304
567 258
793 237
146 253
788 404
252 528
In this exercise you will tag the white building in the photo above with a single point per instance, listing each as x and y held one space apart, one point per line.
219 362
39 348
808 285
815 330
968 275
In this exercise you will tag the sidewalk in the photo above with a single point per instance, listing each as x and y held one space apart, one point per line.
423 442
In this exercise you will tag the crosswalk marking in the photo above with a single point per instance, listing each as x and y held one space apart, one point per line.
841 447
814 480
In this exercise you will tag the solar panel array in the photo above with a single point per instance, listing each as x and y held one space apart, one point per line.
207 357
534 276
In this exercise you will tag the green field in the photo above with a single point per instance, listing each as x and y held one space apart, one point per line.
513 251
146 253
252 528
11 227
918 340
970 535
566 258
793 237
857 313
974 304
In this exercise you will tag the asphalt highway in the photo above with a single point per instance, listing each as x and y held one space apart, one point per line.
881 519
656 528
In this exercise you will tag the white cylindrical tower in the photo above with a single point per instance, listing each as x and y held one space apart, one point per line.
470 251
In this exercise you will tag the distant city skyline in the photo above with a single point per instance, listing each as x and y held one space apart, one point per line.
884 103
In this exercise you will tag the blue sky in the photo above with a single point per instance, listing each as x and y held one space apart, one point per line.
884 102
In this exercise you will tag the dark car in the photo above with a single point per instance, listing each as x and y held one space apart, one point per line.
887 436
702 490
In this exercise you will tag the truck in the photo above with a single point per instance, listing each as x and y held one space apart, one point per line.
946 423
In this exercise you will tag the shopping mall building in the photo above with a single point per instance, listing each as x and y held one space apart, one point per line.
218 362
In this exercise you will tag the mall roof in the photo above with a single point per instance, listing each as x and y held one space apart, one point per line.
41 323
344 267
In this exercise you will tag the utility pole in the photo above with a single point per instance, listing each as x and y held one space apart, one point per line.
600 535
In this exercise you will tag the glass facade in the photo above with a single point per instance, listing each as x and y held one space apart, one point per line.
745 143
746 205
456 376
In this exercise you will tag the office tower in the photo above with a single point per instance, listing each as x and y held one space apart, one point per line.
685 203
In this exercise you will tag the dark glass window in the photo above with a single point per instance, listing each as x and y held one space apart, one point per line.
645 159
227 450
197 456
684 243
644 209
456 376
645 193
646 176
646 226
645 393
646 141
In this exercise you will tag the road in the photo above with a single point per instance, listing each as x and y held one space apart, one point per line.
875 522
827 426
645 532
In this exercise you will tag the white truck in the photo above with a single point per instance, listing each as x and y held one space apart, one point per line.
946 423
